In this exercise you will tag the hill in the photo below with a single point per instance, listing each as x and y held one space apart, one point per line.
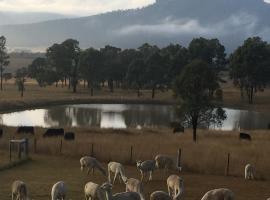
161 23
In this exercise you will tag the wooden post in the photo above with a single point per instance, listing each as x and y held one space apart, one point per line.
92 149
26 147
179 154
19 151
10 148
61 145
131 155
228 165
35 145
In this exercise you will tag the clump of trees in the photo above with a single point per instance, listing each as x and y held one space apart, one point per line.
250 67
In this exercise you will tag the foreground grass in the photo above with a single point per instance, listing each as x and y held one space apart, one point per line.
44 171
39 97
207 156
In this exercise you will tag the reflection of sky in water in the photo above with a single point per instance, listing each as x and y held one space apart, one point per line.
122 116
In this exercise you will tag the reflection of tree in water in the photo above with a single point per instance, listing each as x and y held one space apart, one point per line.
88 117
68 116
148 115
252 120
58 115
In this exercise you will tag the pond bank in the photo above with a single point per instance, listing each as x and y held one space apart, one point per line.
18 105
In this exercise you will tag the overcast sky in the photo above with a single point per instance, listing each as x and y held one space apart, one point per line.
74 7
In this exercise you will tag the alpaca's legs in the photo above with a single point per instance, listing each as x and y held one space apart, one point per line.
115 176
150 175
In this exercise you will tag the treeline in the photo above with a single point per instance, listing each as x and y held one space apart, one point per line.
147 67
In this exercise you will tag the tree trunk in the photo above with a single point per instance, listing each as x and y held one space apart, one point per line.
92 91
153 92
62 83
84 83
69 80
65 81
138 92
1 79
194 126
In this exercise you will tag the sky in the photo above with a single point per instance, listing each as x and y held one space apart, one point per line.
71 7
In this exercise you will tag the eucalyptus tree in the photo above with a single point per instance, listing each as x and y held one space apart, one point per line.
89 67
250 66
193 88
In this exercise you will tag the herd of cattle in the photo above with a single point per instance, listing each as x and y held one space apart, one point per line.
51 132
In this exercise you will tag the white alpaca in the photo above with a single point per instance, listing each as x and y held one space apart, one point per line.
166 162
219 194
92 191
134 185
91 163
249 172
107 187
18 190
160 195
118 170
145 167
175 186
59 191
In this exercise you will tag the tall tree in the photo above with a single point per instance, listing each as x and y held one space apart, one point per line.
193 88
72 52
89 67
21 75
250 66
111 64
4 59
136 75
210 51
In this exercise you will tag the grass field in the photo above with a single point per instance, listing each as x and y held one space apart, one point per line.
37 97
207 156
41 173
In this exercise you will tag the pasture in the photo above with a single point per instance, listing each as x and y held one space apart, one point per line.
203 163
35 96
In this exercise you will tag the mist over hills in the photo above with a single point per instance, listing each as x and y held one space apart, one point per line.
8 18
166 21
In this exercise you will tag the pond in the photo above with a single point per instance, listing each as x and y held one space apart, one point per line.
122 116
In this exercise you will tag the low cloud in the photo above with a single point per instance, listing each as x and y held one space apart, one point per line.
242 22
74 7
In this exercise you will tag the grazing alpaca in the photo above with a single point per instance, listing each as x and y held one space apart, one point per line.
18 190
59 191
118 170
134 185
93 191
107 188
91 163
145 167
219 194
166 162
249 172
175 184
160 195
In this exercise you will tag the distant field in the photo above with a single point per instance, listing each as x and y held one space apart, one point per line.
203 163
35 95
19 60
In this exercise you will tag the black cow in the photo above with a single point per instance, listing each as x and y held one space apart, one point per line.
69 136
1 133
177 127
54 132
26 129
244 136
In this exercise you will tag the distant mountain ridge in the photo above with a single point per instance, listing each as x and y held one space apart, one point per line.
8 18
166 21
